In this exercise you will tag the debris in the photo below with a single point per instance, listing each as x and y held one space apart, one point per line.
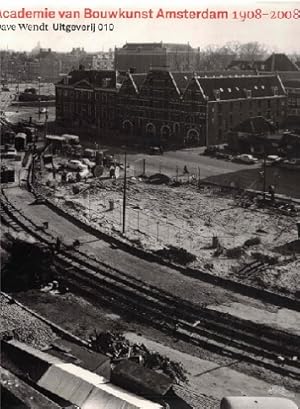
116 346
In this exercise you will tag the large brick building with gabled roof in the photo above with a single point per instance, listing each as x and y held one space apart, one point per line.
165 108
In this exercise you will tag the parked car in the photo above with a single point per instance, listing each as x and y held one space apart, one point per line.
84 172
293 164
155 150
211 150
273 160
90 164
245 158
11 153
223 155
75 164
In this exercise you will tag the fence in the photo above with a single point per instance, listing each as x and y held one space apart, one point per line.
104 209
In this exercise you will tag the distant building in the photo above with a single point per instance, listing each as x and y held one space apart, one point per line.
103 60
165 108
255 135
276 62
140 57
293 92
293 104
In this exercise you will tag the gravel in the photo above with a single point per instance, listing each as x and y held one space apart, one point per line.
23 326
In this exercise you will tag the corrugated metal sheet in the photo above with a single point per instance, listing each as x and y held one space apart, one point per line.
70 382
88 390
109 396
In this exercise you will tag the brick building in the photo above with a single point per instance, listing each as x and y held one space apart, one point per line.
85 101
167 108
142 56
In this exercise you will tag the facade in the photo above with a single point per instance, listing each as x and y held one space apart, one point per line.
292 87
168 109
140 57
85 100
293 92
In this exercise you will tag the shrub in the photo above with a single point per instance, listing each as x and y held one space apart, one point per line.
176 255
235 252
254 241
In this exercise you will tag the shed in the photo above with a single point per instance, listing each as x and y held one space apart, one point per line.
70 352
138 379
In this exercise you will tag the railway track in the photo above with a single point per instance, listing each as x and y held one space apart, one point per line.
215 331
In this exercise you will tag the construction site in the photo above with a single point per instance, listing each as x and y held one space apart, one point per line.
230 233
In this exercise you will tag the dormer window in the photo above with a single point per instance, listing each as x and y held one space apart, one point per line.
221 89
255 87
248 93
229 89
237 88
105 82
217 94
275 91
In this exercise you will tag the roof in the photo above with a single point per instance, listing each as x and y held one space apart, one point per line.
160 45
72 353
294 83
182 79
247 402
23 393
93 77
255 125
280 62
86 389
139 379
226 73
235 87
138 79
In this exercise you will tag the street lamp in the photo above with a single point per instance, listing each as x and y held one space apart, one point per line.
39 79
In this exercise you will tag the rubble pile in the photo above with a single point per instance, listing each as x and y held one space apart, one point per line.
115 345
176 255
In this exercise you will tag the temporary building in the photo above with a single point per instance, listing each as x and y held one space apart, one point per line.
89 390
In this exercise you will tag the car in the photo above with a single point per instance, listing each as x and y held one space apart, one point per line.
245 158
293 164
273 160
75 164
11 153
88 162
84 172
223 155
211 150
155 150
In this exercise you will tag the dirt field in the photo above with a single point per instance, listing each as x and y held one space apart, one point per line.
189 217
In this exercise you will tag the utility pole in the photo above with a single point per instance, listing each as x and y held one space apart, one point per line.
39 78
265 176
124 195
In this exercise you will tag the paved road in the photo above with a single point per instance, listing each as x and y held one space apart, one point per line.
169 162
286 182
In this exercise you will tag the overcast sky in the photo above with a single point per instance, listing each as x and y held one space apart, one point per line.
278 35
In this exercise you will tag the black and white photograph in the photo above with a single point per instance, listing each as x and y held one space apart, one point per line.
150 204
